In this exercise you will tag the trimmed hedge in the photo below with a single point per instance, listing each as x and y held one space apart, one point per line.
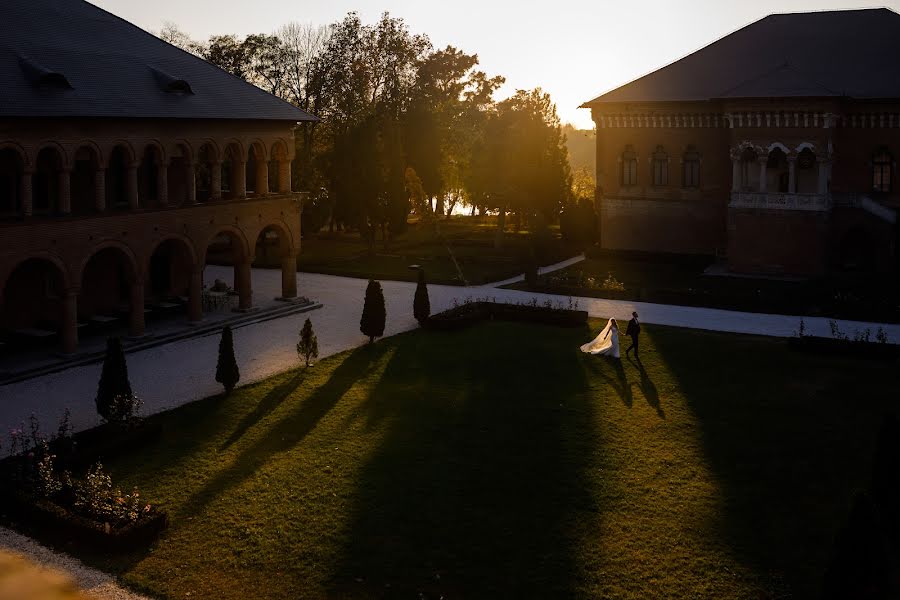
839 347
473 312
55 523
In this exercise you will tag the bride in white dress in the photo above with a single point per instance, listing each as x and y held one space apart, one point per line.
607 343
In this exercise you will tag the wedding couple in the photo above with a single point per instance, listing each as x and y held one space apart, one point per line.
607 343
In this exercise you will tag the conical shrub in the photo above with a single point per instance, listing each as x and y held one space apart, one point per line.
421 302
227 372
374 313
113 379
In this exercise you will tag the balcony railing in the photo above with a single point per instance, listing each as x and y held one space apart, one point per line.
777 201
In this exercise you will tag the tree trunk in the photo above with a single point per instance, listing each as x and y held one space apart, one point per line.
501 225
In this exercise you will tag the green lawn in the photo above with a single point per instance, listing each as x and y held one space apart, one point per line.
469 239
501 462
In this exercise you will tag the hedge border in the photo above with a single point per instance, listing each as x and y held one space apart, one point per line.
839 347
471 313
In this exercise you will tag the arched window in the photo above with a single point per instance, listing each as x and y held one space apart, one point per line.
881 171
660 167
691 168
629 167
749 169
777 171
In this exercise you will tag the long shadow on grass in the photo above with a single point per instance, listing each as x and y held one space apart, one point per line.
612 372
270 402
479 480
291 429
788 437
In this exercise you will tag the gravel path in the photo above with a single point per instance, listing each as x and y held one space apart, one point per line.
172 375
99 585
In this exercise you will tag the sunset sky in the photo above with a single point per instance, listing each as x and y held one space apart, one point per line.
575 49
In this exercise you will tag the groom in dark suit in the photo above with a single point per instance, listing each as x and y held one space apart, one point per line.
634 331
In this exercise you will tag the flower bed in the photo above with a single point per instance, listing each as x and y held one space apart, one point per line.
45 498
53 522
470 313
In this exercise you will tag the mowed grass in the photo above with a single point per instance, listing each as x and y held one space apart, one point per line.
501 462
450 251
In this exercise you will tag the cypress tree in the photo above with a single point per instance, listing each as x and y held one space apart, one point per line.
421 303
308 346
227 372
113 379
374 313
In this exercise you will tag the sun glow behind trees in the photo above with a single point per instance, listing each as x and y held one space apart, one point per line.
405 126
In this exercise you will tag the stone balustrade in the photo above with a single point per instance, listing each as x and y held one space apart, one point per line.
781 201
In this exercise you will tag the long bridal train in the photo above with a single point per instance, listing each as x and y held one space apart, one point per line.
607 343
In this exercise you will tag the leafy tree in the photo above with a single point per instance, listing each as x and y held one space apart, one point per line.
859 566
308 346
227 372
229 53
421 302
172 34
415 192
374 313
114 384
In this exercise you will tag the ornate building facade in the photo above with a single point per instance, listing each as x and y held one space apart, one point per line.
117 177
762 149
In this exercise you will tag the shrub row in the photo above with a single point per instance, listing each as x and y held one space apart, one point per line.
842 347
59 525
473 312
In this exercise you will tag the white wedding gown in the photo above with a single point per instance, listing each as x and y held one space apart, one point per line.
607 343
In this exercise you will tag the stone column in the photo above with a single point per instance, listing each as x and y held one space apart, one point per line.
289 276
735 174
195 299
240 179
762 174
284 176
70 322
262 178
824 168
162 184
792 174
100 190
27 193
131 186
65 191
215 180
242 283
136 320
191 183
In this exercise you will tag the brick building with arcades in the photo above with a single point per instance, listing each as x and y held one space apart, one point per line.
123 160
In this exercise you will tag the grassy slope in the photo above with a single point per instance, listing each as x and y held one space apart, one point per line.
500 461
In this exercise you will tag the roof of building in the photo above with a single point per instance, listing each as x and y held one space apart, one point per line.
68 58
845 53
